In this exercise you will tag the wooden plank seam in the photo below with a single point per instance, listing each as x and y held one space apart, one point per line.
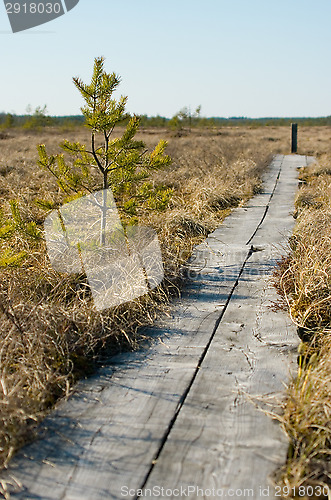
217 323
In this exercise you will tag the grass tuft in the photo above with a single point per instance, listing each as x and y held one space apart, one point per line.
304 281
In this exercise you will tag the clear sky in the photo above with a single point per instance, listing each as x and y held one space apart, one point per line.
233 57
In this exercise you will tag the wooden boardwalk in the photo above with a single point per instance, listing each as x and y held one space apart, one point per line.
185 414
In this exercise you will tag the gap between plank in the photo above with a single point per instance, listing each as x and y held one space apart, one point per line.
268 204
196 371
206 349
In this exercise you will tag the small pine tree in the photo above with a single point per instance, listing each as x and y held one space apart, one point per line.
184 118
121 162
9 121
38 120
13 226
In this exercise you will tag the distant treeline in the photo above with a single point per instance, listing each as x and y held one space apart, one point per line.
160 121
40 119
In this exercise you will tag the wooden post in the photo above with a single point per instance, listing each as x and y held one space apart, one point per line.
294 142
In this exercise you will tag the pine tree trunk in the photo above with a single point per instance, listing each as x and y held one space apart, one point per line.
104 211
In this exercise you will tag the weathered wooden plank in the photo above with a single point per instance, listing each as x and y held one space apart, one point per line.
217 441
108 434
97 434
220 439
241 224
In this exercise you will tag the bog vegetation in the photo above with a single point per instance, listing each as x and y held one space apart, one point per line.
51 333
181 178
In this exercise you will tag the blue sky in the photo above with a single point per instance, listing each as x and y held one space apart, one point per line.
233 57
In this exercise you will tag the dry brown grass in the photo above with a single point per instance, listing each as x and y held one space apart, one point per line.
304 280
50 332
306 420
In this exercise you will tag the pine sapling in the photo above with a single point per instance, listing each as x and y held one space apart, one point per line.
120 163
